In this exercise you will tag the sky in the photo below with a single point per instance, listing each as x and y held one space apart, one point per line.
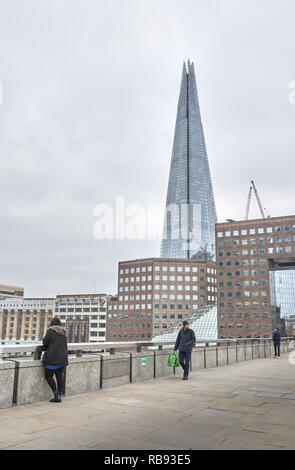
90 92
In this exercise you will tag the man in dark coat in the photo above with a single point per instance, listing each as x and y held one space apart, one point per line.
276 336
55 357
184 341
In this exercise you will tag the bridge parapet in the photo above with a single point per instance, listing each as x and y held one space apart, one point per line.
95 366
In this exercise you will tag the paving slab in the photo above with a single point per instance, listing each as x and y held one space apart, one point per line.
246 405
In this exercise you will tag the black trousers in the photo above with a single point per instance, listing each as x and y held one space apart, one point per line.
184 360
277 347
49 373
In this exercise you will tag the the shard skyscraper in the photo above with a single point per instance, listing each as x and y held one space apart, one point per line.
190 216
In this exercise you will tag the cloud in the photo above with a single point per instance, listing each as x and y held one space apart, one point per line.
90 94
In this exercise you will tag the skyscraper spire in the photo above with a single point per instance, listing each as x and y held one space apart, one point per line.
190 217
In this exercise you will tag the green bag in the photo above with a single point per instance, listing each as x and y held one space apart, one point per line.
173 360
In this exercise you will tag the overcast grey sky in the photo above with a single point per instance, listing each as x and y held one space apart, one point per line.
90 94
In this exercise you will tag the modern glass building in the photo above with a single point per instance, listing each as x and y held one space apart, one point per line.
203 321
282 290
285 292
190 216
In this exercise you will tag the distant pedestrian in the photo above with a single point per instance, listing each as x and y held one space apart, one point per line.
276 336
184 342
55 357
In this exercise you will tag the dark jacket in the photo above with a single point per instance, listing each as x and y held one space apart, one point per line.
185 340
55 345
276 336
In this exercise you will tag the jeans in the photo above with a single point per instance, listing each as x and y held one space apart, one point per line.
184 360
277 348
49 373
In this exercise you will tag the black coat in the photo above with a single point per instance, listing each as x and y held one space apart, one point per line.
55 345
276 336
185 340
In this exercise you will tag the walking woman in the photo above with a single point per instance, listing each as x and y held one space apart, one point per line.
55 357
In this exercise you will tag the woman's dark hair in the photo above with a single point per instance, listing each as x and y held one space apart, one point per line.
55 321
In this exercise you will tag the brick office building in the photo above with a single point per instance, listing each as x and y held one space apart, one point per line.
250 254
155 292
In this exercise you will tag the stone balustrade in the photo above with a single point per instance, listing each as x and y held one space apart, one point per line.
22 378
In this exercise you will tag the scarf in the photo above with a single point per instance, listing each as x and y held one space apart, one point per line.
58 329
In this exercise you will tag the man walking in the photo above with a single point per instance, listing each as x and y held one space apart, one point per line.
276 336
184 341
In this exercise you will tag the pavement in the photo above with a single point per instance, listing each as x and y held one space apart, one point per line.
247 405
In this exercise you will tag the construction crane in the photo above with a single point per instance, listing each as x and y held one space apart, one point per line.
253 187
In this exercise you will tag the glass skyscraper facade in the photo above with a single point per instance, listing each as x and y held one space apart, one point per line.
282 290
190 216
285 292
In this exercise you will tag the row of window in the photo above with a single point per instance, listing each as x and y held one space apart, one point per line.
239 336
246 293
260 251
253 231
92 325
172 306
246 304
129 334
254 283
130 325
130 315
77 301
162 287
62 310
245 315
156 297
245 262
248 336
149 306
83 317
165 287
101 334
252 241
178 269
144 269
247 326
165 278
25 306
246 272
149 297
164 315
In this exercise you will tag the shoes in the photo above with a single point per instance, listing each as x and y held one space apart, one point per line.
185 377
56 398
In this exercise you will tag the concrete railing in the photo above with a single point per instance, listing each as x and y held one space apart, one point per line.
95 366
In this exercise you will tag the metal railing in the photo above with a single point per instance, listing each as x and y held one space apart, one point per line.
35 349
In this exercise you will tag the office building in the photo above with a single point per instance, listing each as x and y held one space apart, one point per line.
25 319
255 263
153 293
84 316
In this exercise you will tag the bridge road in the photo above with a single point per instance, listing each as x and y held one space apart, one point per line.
246 405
